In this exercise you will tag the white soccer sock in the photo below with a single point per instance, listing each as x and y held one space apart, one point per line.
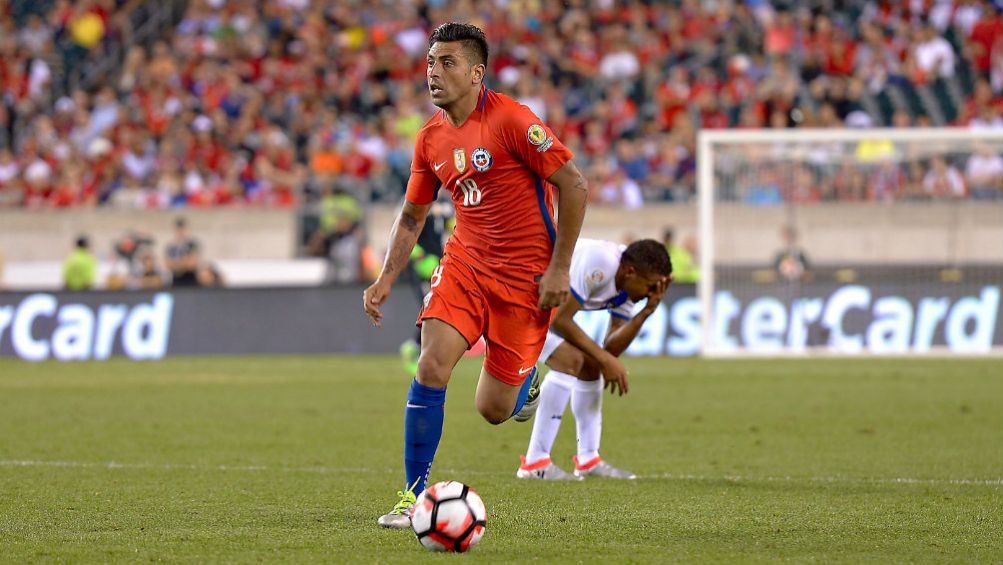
586 405
554 395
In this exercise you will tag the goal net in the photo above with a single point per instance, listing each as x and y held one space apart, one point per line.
884 241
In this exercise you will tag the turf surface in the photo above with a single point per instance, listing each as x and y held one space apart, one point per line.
290 460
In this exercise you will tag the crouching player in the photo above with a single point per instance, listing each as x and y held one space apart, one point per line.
604 276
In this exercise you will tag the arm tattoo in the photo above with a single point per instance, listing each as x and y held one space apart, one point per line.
408 222
400 252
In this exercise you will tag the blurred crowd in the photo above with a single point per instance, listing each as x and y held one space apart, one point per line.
291 102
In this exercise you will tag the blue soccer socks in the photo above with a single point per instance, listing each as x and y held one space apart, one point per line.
422 432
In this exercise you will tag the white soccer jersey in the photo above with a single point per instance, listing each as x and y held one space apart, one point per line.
593 273
593 270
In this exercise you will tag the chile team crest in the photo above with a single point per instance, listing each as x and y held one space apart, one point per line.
459 160
481 159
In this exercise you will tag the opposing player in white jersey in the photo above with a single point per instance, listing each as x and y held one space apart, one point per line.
604 276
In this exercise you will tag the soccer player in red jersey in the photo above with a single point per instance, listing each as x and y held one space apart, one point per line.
505 266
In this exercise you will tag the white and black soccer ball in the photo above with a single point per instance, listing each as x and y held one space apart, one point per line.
449 516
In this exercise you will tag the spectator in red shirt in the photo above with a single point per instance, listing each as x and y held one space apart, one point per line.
985 37
780 35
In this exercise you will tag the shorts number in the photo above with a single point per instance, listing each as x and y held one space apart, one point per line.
471 194
436 276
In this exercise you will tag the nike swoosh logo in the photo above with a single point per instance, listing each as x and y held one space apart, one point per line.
524 371
439 166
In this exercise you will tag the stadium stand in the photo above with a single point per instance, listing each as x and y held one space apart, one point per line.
278 102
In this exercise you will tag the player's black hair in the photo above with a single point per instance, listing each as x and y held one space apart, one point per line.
474 41
649 256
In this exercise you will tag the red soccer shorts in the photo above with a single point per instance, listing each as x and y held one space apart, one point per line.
476 304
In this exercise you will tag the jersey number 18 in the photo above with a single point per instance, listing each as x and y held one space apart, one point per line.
471 194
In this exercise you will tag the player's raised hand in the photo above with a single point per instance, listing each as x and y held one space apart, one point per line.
374 297
615 374
554 288
656 294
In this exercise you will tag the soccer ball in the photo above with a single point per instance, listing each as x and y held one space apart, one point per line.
449 516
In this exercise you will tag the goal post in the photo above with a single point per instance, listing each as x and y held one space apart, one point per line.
850 241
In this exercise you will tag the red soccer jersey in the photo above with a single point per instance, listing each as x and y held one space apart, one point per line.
495 165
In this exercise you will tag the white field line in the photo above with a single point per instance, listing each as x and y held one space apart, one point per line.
113 465
846 480
182 466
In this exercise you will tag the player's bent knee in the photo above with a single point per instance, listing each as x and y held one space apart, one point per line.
495 417
567 359
493 413
590 371
432 372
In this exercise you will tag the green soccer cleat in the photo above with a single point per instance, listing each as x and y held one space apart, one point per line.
532 399
400 517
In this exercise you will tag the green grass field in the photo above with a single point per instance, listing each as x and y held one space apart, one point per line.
290 460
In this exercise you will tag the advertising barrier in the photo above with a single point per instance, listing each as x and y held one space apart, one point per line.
151 325
875 318
841 319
